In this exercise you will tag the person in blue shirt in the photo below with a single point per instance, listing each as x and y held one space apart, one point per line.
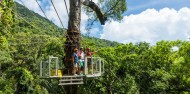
75 61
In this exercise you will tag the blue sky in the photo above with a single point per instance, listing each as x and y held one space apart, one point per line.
145 20
137 6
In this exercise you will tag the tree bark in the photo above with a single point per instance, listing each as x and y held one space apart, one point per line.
72 40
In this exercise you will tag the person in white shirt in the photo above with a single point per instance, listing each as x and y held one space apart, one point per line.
81 60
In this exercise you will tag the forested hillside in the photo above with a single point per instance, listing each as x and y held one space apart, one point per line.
31 22
26 38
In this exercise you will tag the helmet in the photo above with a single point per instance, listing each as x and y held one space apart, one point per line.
81 47
87 49
75 49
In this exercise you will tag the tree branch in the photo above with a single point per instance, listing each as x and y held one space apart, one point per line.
95 8
112 7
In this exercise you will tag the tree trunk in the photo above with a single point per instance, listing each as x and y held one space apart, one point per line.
72 40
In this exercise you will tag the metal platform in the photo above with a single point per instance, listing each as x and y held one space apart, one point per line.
94 75
51 70
60 77
71 80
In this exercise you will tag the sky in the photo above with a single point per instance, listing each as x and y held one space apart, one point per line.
145 20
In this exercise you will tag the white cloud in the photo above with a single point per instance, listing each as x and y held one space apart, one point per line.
150 26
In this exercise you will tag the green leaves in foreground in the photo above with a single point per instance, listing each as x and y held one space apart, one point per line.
153 69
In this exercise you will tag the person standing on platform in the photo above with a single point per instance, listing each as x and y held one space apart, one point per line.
75 61
81 61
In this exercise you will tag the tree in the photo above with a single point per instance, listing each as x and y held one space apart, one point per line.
6 16
115 9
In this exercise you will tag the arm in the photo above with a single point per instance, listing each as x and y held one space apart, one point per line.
72 58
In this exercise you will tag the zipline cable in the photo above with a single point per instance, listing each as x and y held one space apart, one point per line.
57 13
41 9
33 12
46 15
60 20
20 17
66 8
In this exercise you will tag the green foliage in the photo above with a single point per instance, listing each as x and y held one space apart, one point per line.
55 47
96 44
4 43
5 86
131 68
6 17
112 9
22 78
154 69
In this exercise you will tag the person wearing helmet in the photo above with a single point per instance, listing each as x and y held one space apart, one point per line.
89 58
87 49
81 53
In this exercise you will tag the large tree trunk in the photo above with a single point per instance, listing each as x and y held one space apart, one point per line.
73 39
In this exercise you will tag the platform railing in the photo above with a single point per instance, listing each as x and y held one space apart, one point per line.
47 68
53 66
44 69
93 67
